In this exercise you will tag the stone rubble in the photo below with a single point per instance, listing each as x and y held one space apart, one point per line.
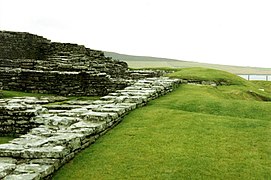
60 133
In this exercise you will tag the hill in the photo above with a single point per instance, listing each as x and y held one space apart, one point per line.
154 62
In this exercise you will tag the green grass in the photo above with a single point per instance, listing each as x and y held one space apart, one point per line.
4 139
195 132
206 74
11 94
266 85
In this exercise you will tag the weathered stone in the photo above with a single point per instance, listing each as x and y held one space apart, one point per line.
30 141
54 162
62 133
24 176
56 152
34 64
96 116
42 170
8 160
6 168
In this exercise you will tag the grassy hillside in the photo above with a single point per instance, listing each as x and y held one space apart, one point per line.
147 62
195 132
266 85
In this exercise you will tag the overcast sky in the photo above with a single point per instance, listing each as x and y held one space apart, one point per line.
234 32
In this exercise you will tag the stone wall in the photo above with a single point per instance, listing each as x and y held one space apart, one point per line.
16 113
141 74
60 82
14 45
34 64
64 132
14 117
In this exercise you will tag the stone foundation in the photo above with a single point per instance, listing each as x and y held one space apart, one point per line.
61 133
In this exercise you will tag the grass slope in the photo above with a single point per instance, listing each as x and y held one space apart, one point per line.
204 74
266 85
147 62
195 132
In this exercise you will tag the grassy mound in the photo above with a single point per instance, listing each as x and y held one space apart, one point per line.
205 74
196 132
266 85
237 87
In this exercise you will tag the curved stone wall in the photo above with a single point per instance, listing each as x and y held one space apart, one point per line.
63 132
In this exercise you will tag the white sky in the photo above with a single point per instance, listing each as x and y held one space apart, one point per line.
235 32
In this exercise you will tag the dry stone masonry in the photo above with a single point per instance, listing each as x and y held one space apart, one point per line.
15 114
35 64
49 135
59 132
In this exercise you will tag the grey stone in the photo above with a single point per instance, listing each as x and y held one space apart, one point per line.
25 176
61 133
6 168
42 170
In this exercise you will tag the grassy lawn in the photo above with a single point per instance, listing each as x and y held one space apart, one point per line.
4 140
11 94
195 132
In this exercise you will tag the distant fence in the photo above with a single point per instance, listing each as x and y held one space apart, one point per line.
259 77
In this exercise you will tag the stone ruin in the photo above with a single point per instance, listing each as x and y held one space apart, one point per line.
54 135
49 135
32 63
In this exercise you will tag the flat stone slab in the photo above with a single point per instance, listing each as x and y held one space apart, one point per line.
55 120
6 168
118 110
24 176
99 116
42 170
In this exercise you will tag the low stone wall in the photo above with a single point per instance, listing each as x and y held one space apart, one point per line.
141 74
14 117
16 113
64 132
